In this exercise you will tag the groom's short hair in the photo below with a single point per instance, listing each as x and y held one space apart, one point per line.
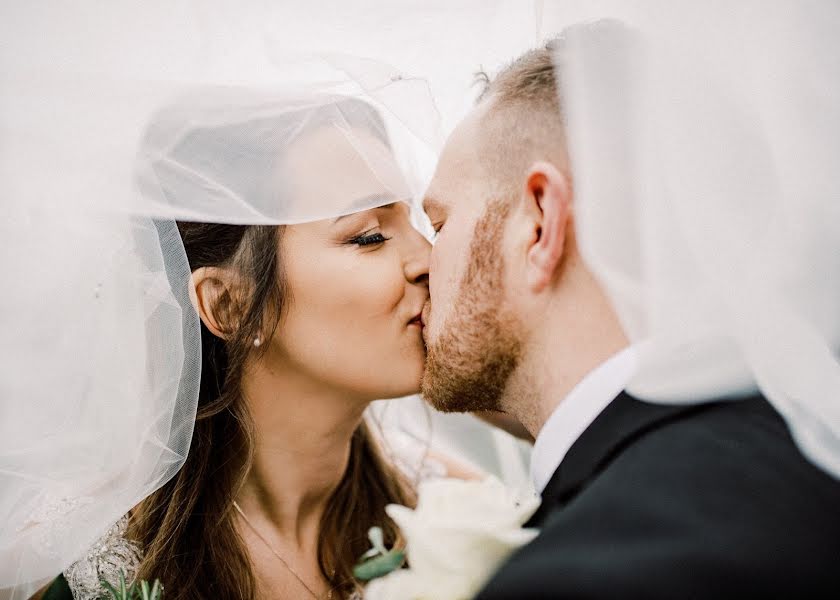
524 118
529 79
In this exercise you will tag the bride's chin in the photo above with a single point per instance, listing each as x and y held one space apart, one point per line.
403 376
413 383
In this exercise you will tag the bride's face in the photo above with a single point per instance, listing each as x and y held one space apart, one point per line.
356 285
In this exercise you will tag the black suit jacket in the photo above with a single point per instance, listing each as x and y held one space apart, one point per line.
703 501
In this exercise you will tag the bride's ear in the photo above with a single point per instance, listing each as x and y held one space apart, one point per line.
214 299
548 199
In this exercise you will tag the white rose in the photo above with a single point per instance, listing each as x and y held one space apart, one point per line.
405 584
456 538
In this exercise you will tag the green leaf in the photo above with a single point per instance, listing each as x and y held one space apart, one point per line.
123 591
115 594
379 566
144 590
157 590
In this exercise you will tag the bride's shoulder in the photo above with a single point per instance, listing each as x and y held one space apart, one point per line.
109 557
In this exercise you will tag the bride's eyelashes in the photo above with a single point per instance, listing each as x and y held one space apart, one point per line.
369 239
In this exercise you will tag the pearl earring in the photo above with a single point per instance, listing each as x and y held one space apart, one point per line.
257 342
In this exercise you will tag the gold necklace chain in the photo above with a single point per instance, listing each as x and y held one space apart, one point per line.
277 554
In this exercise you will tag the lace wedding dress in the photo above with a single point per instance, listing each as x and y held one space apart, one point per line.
110 556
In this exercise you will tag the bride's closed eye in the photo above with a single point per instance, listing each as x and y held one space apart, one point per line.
369 239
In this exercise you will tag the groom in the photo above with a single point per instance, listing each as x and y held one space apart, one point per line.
639 500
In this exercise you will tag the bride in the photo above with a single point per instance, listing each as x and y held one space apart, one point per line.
303 325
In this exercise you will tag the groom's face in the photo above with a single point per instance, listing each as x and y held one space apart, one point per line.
471 338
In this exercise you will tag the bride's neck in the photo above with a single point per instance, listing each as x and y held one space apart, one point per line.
302 447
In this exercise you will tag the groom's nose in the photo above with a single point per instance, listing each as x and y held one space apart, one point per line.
417 261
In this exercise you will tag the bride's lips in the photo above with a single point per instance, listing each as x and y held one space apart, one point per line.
417 321
424 319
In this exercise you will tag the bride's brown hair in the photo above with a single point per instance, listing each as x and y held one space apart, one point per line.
187 529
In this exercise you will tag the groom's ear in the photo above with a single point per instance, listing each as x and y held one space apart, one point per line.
547 199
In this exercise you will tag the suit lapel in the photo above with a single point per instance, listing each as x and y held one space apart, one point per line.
622 422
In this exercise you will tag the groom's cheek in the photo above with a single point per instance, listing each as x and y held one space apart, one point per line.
441 286
449 258
436 298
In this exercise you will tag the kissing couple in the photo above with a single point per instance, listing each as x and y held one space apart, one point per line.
300 287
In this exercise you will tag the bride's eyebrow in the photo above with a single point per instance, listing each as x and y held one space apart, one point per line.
366 202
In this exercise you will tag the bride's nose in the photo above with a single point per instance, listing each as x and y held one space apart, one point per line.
417 260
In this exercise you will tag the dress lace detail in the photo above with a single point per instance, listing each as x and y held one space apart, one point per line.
112 554
48 520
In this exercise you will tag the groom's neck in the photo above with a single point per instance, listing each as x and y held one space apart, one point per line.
560 353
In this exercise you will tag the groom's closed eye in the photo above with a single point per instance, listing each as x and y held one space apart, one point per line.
436 213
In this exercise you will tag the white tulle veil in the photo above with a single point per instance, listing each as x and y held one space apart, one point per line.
704 141
100 156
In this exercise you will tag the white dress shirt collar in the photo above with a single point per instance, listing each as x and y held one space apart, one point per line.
577 411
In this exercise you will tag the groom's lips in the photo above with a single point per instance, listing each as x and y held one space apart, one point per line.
424 318
417 321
